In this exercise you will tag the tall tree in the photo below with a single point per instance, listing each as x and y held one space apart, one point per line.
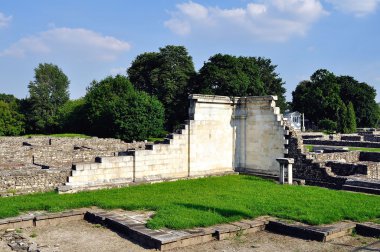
165 74
48 92
115 109
229 75
362 97
351 118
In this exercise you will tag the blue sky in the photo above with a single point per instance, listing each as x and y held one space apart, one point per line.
91 39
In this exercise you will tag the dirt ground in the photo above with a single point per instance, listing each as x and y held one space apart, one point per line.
82 236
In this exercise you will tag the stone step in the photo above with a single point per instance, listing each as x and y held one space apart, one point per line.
322 233
368 229
363 183
361 189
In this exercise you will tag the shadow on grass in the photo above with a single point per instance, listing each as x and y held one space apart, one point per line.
227 213
255 178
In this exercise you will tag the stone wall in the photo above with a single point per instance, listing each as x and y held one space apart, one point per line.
260 135
370 156
306 167
31 179
222 135
351 138
348 157
347 169
371 170
43 163
342 143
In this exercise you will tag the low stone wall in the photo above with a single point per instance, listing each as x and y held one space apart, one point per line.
348 157
342 143
372 138
351 138
31 179
306 167
23 161
312 136
370 156
344 169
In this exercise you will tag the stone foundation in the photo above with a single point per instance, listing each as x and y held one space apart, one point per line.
42 163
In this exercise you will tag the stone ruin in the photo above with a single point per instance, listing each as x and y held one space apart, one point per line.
223 135
41 163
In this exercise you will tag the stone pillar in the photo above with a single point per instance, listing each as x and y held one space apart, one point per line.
303 122
286 163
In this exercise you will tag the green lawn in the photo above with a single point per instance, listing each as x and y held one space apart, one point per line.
207 201
310 148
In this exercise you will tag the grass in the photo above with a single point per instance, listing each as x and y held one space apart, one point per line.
60 135
208 201
156 139
310 148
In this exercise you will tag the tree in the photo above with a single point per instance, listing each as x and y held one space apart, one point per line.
115 109
11 100
326 96
327 124
235 76
362 97
48 92
11 122
165 74
351 118
71 116
342 119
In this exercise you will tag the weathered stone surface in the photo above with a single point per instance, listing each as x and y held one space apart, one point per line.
222 136
41 164
319 233
368 229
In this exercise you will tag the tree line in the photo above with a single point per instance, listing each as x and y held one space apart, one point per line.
338 103
153 96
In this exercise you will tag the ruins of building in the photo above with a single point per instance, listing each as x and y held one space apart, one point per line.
223 135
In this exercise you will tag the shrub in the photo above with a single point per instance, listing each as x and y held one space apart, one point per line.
115 109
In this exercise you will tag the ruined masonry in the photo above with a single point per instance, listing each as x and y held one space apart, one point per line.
223 135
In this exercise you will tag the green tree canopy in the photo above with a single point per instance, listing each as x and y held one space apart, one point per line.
363 100
115 109
165 74
327 96
11 122
229 75
71 116
48 92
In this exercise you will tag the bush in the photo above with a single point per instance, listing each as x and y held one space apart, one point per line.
11 122
71 116
115 109
327 124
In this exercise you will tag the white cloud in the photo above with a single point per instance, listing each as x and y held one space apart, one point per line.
76 42
4 20
357 7
276 20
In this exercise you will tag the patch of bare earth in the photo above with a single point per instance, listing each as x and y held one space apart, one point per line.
82 236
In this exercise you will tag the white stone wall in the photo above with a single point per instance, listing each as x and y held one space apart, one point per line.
260 134
222 135
211 135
